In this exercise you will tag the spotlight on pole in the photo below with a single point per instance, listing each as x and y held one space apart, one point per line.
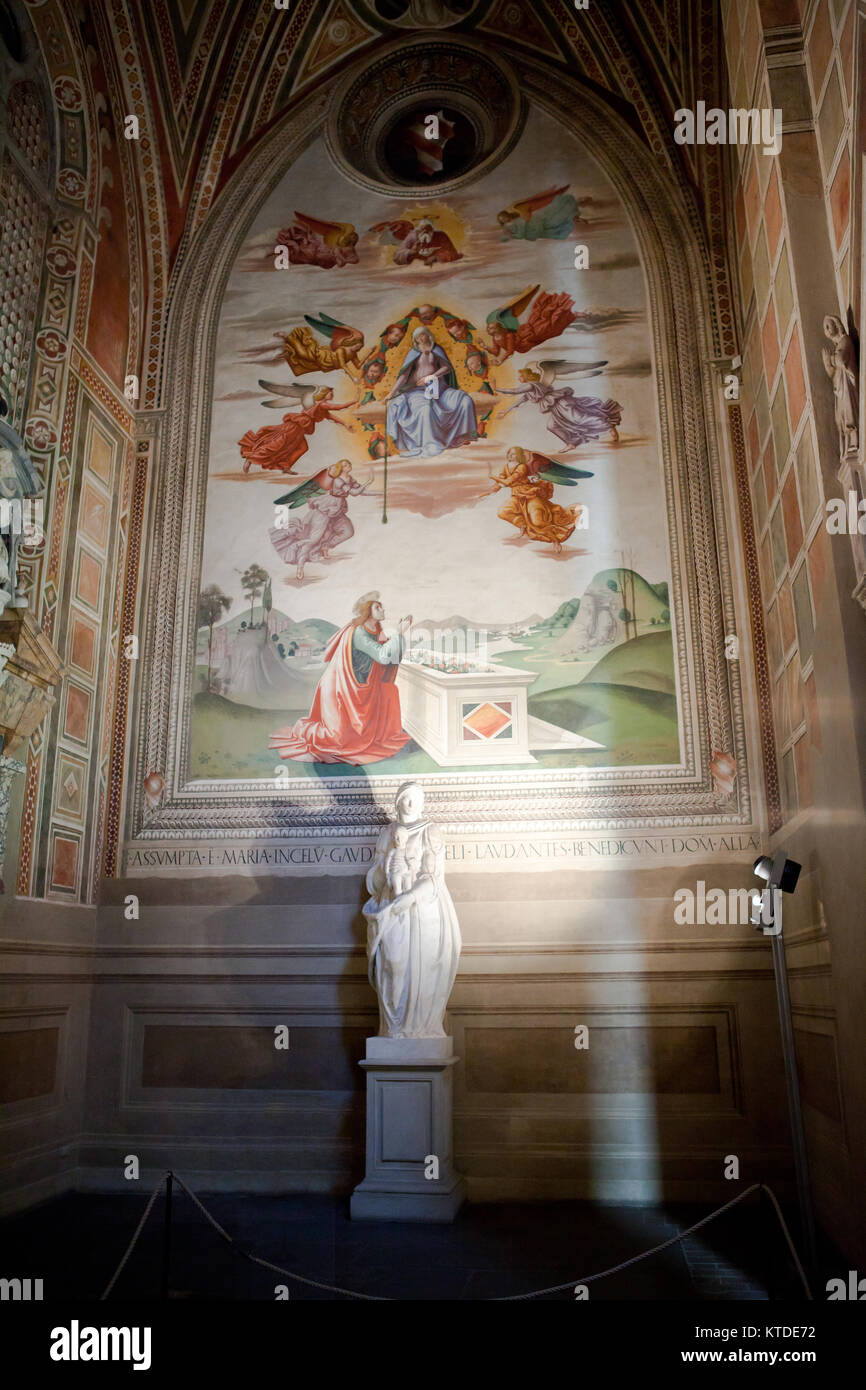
780 875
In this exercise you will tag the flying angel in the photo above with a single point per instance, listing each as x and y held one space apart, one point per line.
280 446
305 354
313 241
550 315
549 215
573 419
531 478
326 524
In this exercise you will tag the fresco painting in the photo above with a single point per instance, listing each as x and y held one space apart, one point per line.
450 550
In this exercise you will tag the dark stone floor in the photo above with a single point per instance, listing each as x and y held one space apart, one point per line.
491 1251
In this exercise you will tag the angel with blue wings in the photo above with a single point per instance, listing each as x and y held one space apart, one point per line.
325 523
573 419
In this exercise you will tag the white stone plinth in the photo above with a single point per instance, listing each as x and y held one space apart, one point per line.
409 1083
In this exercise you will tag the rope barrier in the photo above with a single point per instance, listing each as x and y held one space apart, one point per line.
266 1264
508 1298
131 1246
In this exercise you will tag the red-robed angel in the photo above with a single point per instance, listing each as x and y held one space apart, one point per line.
313 241
551 314
280 446
355 715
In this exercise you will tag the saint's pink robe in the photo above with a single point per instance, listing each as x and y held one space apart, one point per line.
349 722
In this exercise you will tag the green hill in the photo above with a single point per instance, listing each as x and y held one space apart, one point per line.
315 630
647 603
645 662
635 727
650 600
561 619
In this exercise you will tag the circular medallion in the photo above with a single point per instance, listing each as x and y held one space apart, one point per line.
70 182
40 434
67 94
428 115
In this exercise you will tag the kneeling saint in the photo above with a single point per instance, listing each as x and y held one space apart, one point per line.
355 715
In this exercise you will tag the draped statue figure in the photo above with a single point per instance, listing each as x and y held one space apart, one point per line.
413 938
840 364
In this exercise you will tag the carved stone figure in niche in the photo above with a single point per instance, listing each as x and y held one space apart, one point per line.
840 364
19 482
413 938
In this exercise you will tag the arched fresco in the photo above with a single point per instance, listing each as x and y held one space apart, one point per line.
542 617
555 534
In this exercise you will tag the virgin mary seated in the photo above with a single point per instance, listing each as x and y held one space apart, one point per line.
427 410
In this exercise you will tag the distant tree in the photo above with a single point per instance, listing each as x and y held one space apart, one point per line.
253 581
612 584
212 603
666 616
662 590
267 604
625 615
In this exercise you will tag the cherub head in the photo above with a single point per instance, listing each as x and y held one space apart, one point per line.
373 371
394 334
457 328
426 313
476 362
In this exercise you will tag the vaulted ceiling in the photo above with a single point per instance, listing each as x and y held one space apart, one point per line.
209 79
217 74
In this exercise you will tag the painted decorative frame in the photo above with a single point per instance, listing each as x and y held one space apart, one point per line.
690 423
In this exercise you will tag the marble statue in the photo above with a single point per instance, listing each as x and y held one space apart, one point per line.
18 481
413 938
840 364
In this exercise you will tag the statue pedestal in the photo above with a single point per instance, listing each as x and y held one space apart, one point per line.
409 1082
